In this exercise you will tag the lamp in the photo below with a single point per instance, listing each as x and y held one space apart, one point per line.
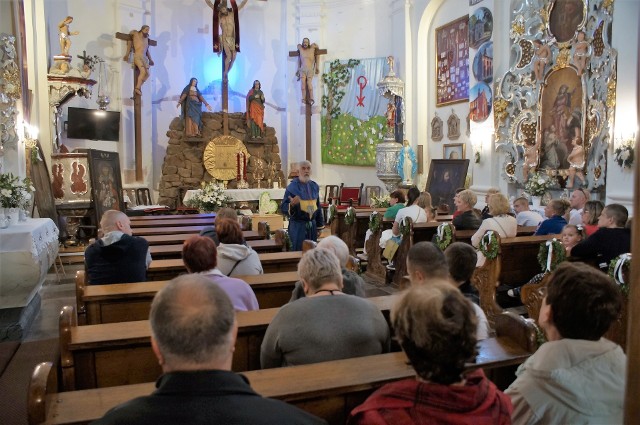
31 140
476 144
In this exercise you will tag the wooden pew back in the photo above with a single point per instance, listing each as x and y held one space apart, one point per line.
329 390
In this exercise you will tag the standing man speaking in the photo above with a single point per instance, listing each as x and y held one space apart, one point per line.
301 203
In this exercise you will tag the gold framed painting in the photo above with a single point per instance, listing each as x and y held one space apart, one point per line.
453 151
452 62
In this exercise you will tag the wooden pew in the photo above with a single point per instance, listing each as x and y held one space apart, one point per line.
172 223
140 218
517 262
329 390
181 236
122 302
160 252
338 225
272 262
376 269
112 354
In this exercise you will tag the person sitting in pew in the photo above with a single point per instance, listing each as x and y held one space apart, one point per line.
193 334
210 231
352 283
555 222
467 219
325 325
199 256
235 258
117 257
610 240
426 264
499 220
461 259
396 200
524 216
577 376
436 329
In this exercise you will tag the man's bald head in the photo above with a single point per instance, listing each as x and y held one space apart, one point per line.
115 220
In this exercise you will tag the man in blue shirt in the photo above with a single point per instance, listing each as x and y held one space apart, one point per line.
301 203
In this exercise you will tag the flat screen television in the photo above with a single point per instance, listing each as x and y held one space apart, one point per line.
93 124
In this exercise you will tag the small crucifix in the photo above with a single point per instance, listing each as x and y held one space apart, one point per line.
139 42
307 54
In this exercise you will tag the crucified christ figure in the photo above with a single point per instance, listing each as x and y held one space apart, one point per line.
226 41
139 43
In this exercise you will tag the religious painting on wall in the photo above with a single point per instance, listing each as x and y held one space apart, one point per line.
106 182
565 18
561 119
452 62
354 116
554 107
445 176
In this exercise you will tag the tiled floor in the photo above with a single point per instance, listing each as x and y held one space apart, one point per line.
54 294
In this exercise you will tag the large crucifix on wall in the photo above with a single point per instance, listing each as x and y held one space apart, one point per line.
307 55
139 42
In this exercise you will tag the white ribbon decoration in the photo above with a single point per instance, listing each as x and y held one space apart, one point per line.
440 231
486 239
550 253
617 270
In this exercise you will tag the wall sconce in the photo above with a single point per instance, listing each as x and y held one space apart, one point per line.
31 140
476 144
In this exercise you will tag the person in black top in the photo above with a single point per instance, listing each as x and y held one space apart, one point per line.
468 219
193 334
461 259
118 257
609 241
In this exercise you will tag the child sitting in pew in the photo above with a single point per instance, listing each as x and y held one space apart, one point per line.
577 376
571 235
436 328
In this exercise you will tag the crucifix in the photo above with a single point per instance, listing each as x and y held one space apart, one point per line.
139 42
307 54
226 41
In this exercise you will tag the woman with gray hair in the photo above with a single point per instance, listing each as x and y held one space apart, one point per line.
467 219
325 325
352 283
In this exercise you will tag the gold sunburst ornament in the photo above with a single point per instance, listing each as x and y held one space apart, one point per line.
221 157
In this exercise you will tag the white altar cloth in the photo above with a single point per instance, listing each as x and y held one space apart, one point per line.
27 250
238 195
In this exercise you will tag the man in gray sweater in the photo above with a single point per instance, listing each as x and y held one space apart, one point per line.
325 325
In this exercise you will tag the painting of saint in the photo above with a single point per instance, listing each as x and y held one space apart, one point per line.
566 16
561 117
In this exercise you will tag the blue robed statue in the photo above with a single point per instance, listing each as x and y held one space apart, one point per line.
407 163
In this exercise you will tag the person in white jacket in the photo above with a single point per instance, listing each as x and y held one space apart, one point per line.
577 377
234 257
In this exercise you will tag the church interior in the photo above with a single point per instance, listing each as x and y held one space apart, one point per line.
154 99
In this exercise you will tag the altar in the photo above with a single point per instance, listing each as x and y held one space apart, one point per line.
243 198
27 251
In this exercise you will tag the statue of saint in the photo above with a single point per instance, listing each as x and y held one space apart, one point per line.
64 33
407 163
191 101
255 111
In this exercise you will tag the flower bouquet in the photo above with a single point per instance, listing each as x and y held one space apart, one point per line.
14 192
624 155
380 201
538 184
210 198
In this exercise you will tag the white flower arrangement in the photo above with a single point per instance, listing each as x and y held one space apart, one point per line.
624 155
538 184
210 198
380 201
14 192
